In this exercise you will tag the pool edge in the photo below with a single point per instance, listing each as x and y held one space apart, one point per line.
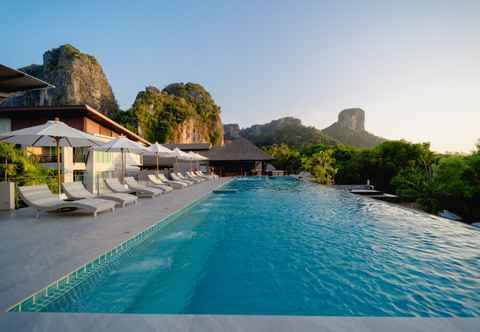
86 270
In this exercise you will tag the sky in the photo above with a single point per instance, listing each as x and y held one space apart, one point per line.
413 66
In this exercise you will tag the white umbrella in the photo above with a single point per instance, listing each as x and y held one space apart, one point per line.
179 154
122 144
52 133
196 157
160 151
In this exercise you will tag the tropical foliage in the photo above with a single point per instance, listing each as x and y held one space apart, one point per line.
16 165
156 115
321 166
286 158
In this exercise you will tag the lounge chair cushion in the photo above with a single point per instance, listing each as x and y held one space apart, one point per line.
41 198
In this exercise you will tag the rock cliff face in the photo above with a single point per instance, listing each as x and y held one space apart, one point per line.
350 129
180 113
78 79
352 118
288 131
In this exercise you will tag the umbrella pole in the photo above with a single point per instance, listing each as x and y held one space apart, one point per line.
156 154
57 141
123 167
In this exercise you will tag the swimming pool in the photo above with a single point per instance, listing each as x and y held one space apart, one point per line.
280 246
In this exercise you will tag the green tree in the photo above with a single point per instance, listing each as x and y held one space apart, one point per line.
157 114
419 184
322 166
16 165
286 158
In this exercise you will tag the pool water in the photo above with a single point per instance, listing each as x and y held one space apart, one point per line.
284 247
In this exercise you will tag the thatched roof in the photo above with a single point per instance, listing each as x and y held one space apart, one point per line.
239 149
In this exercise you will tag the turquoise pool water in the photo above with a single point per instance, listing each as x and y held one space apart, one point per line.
279 246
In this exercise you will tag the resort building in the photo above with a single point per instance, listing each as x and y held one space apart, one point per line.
77 163
238 157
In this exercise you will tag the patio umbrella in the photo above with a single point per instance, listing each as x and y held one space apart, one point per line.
196 157
122 144
160 151
179 154
52 133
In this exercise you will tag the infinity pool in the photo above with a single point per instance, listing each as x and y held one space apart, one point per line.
280 246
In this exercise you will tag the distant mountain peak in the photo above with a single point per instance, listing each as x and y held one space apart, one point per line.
286 130
352 118
348 130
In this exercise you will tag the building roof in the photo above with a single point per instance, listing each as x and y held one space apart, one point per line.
189 147
73 110
239 149
13 81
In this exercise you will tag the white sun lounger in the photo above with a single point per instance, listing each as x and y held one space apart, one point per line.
115 186
195 177
175 177
76 190
156 183
174 184
200 173
40 198
191 178
141 189
182 178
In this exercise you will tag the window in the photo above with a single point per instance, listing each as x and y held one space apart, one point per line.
5 125
103 157
80 154
78 175
49 155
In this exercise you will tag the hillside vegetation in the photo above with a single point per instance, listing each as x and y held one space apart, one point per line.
289 131
348 130
180 113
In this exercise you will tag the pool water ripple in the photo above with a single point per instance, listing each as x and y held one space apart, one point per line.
280 246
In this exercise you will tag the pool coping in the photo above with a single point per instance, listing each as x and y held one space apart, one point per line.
59 287
31 321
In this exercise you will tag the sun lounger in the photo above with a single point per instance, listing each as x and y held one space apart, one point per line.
182 178
203 175
175 177
115 186
156 183
195 177
40 198
173 184
200 173
191 178
141 189
76 190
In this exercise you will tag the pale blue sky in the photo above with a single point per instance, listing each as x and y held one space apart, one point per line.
414 66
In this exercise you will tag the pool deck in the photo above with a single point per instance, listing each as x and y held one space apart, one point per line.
37 252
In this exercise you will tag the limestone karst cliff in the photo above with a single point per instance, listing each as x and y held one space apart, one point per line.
78 79
180 113
350 129
288 131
